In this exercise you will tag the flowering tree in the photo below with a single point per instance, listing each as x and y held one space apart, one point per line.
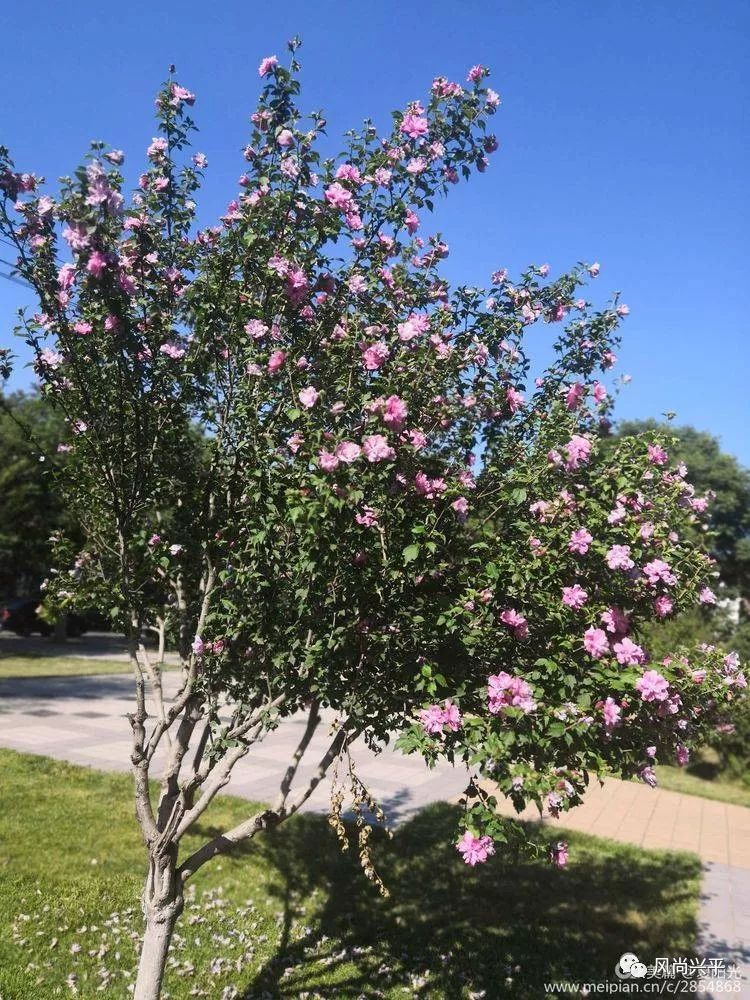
338 480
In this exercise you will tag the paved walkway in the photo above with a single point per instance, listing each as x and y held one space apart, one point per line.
82 720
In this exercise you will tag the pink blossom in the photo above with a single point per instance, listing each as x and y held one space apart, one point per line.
82 328
600 393
595 642
395 412
414 126
507 691
367 519
411 221
618 557
308 397
461 507
377 449
574 395
417 439
558 853
615 621
476 73
682 755
435 717
516 621
276 361
475 850
515 399
657 455
327 461
338 196
255 329
294 443
612 713
539 509
580 541
174 351
574 597
663 606
707 596
348 452
648 776
267 64
652 686
97 262
578 451
658 570
413 326
628 653
198 646
375 355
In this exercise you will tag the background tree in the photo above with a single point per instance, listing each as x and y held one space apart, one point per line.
31 505
334 541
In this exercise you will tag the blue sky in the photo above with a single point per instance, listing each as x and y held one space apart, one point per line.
624 139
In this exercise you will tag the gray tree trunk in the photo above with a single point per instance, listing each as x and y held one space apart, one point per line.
162 905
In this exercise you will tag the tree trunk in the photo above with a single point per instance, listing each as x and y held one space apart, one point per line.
162 905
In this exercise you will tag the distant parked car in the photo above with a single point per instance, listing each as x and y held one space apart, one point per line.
19 615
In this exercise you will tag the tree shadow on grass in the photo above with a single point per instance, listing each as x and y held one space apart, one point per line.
451 931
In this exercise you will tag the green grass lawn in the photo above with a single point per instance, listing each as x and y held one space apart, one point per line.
39 665
291 916
705 779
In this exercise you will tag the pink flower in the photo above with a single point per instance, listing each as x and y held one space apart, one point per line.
475 850
648 776
294 442
578 450
367 519
348 172
476 73
198 646
663 606
97 262
628 653
615 621
707 596
657 455
256 329
612 713
82 328
414 126
327 461
558 853
411 221
515 399
682 755
574 597
174 351
267 64
308 397
395 412
580 541
574 395
515 621
276 361
618 557
506 691
652 686
348 452
595 642
377 449
375 355
461 507
658 570
435 717
338 196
